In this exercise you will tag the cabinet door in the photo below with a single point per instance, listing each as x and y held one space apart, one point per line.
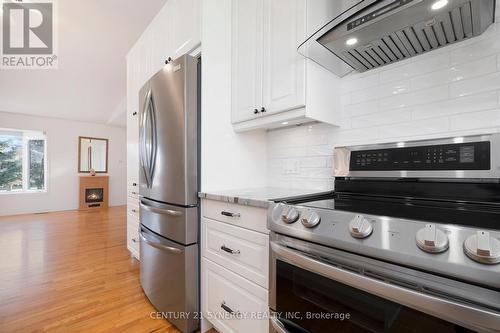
246 64
284 67
225 294
133 67
186 26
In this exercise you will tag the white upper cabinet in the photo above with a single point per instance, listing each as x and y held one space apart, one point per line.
185 26
272 84
132 120
247 59
284 67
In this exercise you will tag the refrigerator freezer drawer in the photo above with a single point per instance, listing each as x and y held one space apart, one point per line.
169 278
179 224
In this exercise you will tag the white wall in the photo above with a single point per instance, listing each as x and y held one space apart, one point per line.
62 149
229 160
451 91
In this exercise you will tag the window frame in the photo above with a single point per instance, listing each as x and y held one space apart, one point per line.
27 136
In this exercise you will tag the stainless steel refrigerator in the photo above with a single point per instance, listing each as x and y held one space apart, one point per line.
169 184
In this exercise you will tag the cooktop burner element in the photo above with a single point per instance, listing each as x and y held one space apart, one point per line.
432 205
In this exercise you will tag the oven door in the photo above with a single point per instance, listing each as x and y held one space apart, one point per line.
317 290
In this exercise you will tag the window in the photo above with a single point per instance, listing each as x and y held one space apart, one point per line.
22 161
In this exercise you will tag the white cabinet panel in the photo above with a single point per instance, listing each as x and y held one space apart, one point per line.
284 67
133 207
133 190
247 217
242 251
132 119
246 63
133 237
186 27
268 73
225 291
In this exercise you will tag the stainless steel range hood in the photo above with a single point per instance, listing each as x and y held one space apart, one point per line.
366 34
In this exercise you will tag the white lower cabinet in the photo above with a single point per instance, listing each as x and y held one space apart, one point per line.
235 267
243 251
232 303
133 236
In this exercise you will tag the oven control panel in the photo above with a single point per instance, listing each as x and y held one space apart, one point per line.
455 156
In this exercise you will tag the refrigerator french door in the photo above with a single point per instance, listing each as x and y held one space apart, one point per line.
168 188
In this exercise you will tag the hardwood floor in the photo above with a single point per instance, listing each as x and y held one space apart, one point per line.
71 272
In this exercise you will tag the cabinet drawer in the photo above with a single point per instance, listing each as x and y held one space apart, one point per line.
133 207
252 218
242 251
133 237
133 192
224 291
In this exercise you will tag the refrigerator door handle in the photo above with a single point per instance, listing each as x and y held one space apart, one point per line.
157 210
142 139
159 246
153 133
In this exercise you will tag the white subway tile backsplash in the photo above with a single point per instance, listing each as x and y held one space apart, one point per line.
489 44
419 65
415 128
451 91
314 162
388 117
322 150
478 102
423 96
354 110
472 86
456 73
472 120
355 82
393 88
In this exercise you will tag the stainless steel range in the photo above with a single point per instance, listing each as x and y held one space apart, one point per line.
409 241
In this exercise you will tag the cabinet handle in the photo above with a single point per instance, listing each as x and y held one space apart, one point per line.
134 240
255 111
133 192
263 109
230 214
134 210
229 250
228 309
134 113
134 184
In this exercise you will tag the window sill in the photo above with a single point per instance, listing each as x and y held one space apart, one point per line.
23 192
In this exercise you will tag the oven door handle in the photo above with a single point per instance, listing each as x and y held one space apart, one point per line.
278 326
466 315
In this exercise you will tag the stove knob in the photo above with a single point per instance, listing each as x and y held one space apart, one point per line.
360 227
483 248
431 239
289 214
310 219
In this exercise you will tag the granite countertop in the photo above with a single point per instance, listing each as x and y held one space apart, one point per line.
256 197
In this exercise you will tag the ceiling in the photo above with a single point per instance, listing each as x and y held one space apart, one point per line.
94 37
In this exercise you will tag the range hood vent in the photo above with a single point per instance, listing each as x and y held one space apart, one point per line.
376 33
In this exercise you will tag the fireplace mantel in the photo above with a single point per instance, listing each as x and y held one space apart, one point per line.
91 186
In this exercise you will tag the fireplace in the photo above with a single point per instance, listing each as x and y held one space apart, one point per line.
94 192
93 195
